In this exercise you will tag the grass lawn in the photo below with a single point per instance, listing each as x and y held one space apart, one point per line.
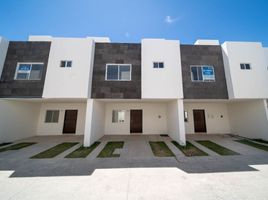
160 149
5 143
190 150
82 152
253 144
260 140
108 150
217 148
56 150
17 146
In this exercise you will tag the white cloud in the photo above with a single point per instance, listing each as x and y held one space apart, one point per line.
170 20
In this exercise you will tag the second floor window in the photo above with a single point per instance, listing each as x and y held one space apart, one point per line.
245 66
66 63
29 71
158 64
118 72
202 73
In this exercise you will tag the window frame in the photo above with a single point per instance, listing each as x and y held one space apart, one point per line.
66 63
28 63
118 121
202 66
250 68
118 73
158 62
53 111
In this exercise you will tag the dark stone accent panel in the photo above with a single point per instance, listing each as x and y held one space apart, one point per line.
120 53
23 52
203 55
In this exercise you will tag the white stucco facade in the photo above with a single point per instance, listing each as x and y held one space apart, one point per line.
161 83
44 128
18 119
246 84
153 115
249 118
216 117
3 51
69 82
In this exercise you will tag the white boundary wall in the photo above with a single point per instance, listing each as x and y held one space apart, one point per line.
249 118
18 120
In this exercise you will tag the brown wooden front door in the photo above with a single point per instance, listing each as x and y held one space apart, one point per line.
70 119
199 121
135 121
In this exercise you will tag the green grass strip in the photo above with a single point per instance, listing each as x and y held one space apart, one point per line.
17 146
82 151
260 141
56 150
253 144
217 148
160 149
108 150
190 150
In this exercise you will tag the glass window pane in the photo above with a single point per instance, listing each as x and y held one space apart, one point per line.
112 72
161 65
208 73
155 64
199 72
24 67
115 116
242 66
121 116
194 73
69 63
48 116
36 71
124 73
22 76
247 66
62 63
55 117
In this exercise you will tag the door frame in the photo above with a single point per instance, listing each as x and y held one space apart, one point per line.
141 120
205 123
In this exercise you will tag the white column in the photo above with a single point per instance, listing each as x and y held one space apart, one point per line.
181 128
88 123
176 126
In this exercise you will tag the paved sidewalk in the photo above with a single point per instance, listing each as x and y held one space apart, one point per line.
137 174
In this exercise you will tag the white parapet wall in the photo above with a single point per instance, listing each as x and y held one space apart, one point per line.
175 121
3 51
249 118
246 84
166 82
74 81
216 117
94 123
18 119
57 128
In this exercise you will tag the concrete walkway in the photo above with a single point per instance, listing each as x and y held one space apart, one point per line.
137 174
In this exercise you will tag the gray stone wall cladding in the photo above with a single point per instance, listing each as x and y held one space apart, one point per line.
23 52
203 55
116 53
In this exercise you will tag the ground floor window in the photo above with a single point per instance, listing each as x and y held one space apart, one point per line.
118 116
52 116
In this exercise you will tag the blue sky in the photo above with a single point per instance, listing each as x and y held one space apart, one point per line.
131 20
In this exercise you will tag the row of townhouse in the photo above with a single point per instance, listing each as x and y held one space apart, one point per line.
93 87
